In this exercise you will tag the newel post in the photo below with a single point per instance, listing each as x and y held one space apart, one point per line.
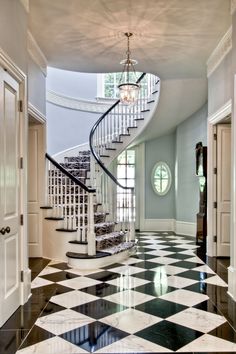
91 234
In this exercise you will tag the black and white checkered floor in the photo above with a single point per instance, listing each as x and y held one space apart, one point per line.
160 300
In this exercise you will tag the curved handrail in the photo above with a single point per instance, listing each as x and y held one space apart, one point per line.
68 174
95 155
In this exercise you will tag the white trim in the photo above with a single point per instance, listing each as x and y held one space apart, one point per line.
185 228
159 163
17 74
35 113
141 186
219 53
36 53
222 113
75 103
25 4
59 156
232 282
233 7
158 225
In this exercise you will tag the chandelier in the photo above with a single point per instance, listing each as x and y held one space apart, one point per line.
128 88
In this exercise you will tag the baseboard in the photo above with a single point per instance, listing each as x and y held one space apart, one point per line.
232 282
158 225
185 228
25 286
179 227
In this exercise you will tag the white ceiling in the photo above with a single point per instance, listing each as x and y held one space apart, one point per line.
172 38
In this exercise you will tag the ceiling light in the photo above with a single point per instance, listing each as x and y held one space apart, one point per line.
128 88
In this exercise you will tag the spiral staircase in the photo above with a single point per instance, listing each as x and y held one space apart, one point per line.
81 222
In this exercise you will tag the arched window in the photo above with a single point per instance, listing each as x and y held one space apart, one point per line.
161 178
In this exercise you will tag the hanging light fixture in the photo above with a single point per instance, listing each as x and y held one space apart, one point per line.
128 88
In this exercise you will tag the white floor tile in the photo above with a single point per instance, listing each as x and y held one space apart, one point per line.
37 282
79 283
126 270
185 297
83 272
127 282
194 259
63 321
129 298
196 319
204 268
72 298
180 282
49 270
55 345
208 343
166 260
215 280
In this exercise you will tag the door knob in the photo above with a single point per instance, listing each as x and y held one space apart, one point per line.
2 231
7 229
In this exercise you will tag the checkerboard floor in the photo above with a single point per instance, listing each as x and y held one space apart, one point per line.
163 299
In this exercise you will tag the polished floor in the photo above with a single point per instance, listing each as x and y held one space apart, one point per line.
166 298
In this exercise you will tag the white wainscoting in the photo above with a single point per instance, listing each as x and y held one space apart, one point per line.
179 227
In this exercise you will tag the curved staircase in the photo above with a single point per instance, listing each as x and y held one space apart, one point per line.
81 222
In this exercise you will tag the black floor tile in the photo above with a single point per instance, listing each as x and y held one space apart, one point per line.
51 308
36 265
225 331
61 289
10 340
94 336
200 288
59 276
148 264
169 335
104 275
161 308
195 275
113 266
154 289
179 256
99 308
147 275
208 306
145 256
36 335
186 264
175 249
62 266
101 290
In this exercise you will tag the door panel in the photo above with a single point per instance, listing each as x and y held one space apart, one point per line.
9 196
223 189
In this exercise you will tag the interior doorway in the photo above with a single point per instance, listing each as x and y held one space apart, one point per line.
36 183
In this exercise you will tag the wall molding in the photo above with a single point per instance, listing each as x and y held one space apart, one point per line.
25 3
77 104
185 228
179 227
233 6
219 53
36 114
224 112
36 54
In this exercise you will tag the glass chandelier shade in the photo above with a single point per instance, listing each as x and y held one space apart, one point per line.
128 88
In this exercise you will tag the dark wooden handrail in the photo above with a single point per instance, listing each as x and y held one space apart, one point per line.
95 155
69 175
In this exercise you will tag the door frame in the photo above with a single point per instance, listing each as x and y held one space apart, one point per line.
7 64
220 116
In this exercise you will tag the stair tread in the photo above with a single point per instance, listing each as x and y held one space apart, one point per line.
54 218
119 248
76 255
110 235
62 229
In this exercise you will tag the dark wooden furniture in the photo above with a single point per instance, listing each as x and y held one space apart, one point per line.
201 172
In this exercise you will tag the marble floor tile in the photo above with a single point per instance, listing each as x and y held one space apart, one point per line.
131 260
83 272
194 259
126 270
216 280
204 268
63 321
133 344
184 297
129 298
38 282
72 299
48 270
208 343
166 260
79 282
127 282
179 282
197 319
188 246
55 345
131 320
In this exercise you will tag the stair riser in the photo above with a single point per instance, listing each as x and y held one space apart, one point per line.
101 230
113 241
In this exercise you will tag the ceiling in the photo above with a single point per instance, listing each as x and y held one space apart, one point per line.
172 38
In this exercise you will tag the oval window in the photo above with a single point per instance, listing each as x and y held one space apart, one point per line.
161 178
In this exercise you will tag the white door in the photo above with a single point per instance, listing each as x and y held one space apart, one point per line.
9 197
36 162
223 189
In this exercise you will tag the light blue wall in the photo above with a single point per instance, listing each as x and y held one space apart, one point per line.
67 128
161 149
188 133
13 32
36 86
220 85
70 83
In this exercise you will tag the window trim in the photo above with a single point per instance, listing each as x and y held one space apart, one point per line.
159 163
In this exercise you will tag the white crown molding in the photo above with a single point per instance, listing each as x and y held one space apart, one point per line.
76 103
25 3
219 53
36 54
233 6
36 114
222 113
